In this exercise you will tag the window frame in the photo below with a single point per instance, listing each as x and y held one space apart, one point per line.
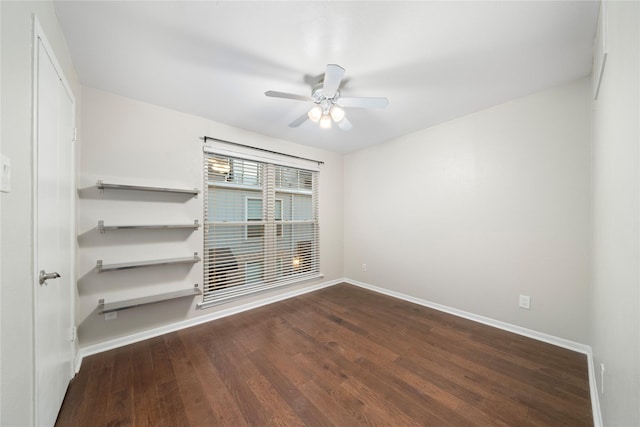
277 262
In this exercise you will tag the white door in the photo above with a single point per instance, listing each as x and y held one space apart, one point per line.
54 230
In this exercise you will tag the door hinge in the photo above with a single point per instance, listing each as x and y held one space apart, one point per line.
74 135
74 333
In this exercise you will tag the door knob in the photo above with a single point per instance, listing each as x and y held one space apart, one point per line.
46 276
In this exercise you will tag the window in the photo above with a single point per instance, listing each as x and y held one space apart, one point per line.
254 214
253 272
261 226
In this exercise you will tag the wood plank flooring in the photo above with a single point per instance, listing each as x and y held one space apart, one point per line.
340 356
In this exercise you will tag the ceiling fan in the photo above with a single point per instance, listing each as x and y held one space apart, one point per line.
329 104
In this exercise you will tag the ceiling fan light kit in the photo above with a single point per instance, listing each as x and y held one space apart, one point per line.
329 105
337 113
315 113
325 122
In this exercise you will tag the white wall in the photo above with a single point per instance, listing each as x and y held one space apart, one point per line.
128 141
474 212
615 310
16 311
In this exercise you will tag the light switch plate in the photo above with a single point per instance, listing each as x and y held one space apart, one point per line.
5 174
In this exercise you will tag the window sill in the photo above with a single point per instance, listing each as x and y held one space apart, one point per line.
253 292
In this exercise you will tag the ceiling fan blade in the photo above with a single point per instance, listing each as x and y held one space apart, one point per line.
345 124
332 79
285 95
363 102
300 120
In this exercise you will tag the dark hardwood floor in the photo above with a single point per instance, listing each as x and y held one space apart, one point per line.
340 356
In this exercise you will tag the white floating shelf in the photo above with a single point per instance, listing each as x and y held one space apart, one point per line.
102 228
136 264
106 185
152 299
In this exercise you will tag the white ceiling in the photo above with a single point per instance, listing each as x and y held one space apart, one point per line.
434 60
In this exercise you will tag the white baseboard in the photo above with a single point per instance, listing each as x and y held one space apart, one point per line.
560 342
593 389
550 339
151 333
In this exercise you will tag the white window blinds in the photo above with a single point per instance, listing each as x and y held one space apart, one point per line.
260 226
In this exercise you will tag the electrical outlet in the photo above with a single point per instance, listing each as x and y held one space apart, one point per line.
111 316
525 302
364 267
